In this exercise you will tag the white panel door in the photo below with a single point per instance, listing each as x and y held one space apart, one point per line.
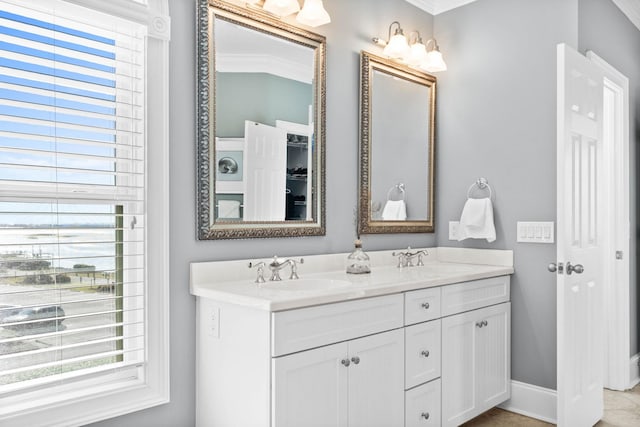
265 172
310 388
580 242
376 380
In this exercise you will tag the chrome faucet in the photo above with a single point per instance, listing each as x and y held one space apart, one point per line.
418 254
405 259
277 265
260 266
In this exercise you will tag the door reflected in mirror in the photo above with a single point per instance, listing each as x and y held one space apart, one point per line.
396 148
265 109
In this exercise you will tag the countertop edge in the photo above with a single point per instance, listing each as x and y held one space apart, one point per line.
209 291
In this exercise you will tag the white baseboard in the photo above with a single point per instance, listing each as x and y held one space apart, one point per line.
634 371
532 401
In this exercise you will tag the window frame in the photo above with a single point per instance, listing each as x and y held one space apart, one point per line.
90 400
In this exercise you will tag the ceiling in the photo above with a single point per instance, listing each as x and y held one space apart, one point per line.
631 8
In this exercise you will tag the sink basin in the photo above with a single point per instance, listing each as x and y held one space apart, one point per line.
305 285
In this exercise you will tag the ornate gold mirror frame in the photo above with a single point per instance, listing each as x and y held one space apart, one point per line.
254 20
421 164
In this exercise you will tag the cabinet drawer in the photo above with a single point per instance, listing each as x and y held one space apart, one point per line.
422 353
422 405
304 328
476 294
421 305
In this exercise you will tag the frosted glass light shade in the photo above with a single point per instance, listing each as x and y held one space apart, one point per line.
417 55
397 46
281 7
313 14
434 62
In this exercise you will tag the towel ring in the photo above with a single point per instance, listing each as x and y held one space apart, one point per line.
481 184
399 187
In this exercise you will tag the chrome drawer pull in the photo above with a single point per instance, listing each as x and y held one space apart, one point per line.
424 353
345 362
355 360
425 305
425 415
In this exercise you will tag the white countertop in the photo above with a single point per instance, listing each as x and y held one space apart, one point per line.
233 282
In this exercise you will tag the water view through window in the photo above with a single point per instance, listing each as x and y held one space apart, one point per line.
59 283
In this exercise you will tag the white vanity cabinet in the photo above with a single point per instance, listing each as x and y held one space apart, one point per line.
423 357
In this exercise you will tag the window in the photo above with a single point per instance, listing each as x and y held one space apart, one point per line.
77 317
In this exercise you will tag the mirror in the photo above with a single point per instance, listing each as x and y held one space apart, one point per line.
261 117
397 124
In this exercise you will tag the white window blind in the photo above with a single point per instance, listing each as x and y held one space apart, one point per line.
72 194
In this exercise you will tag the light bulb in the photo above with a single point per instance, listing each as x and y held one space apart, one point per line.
313 14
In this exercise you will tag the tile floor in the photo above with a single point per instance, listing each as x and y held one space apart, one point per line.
621 409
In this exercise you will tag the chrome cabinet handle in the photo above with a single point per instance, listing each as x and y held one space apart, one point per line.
425 305
345 362
485 323
479 325
424 353
355 360
425 415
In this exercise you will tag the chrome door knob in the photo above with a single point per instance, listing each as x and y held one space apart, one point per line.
425 415
355 360
425 305
424 353
553 267
345 362
578 268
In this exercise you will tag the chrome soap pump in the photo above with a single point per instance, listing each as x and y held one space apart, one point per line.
358 261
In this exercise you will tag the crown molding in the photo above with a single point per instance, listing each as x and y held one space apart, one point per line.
435 7
631 8
256 63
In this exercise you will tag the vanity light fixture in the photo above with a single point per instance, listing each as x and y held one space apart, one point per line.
397 46
413 52
417 52
434 62
312 14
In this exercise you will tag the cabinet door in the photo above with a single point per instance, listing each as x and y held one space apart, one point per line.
310 388
493 356
376 380
458 368
476 362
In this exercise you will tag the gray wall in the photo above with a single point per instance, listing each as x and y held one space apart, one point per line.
606 31
354 22
497 119
261 98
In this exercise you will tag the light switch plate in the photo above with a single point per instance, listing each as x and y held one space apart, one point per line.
453 230
535 232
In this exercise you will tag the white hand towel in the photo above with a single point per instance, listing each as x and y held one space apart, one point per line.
394 210
229 209
476 221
